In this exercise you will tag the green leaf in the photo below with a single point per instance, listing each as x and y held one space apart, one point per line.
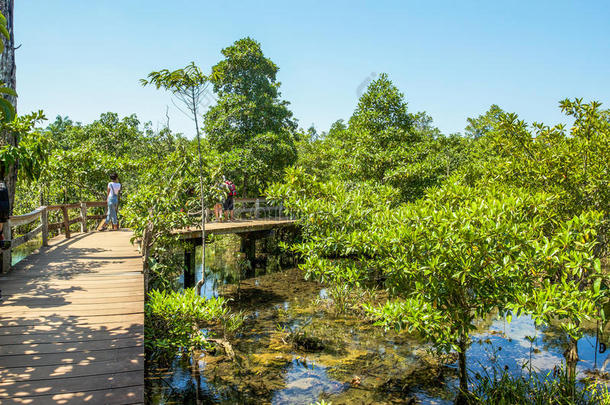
8 90
7 109
4 32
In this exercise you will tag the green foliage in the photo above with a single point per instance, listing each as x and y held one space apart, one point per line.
250 125
486 123
70 162
174 319
32 150
189 85
385 144
500 387
381 108
166 197
177 81
572 164
572 287
504 231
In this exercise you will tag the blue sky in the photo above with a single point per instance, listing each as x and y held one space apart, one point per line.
452 59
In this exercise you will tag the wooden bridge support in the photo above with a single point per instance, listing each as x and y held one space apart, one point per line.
248 247
189 265
248 243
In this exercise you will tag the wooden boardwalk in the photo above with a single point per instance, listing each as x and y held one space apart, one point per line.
238 226
72 323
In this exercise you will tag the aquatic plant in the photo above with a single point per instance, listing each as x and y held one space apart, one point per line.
174 320
499 387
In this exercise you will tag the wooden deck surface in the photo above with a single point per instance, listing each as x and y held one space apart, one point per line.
237 226
72 323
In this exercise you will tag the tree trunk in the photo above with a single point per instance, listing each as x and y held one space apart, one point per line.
145 250
9 78
462 396
571 356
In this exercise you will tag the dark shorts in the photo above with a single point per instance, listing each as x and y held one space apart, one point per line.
228 204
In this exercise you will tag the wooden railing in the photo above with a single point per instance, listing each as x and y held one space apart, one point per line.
44 228
252 208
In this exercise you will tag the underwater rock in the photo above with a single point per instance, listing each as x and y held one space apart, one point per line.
307 343
303 383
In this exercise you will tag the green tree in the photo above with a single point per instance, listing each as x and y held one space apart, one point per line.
189 86
385 144
249 110
485 123
381 108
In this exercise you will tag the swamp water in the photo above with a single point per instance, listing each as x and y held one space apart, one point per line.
294 349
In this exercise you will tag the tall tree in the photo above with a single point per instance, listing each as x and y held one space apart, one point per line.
188 85
382 107
8 79
248 115
249 102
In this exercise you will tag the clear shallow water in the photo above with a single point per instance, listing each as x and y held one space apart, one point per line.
21 252
358 364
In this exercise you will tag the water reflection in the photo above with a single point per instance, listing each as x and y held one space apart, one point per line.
353 361
23 251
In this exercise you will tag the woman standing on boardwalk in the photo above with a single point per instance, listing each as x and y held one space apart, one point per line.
113 192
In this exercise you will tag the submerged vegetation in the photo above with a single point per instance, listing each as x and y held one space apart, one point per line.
417 236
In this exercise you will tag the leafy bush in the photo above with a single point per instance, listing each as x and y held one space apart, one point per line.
174 319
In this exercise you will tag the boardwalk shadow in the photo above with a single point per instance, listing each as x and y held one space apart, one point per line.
61 359
32 282
71 325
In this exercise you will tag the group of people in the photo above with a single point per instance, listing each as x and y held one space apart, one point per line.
225 193
223 209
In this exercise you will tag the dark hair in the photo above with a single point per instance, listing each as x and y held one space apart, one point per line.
113 176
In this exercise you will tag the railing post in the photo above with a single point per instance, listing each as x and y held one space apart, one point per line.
44 221
280 211
64 209
83 217
256 208
6 253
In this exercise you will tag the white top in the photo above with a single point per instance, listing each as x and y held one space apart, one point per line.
114 188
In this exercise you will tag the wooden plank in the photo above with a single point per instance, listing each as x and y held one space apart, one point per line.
86 357
100 323
17 220
122 331
61 322
81 369
220 228
96 203
56 290
64 210
62 339
74 220
90 310
117 396
69 347
70 384
31 300
24 238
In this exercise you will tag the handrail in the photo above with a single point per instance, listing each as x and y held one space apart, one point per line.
42 213
259 209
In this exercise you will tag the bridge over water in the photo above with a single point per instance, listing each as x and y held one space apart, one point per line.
72 312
